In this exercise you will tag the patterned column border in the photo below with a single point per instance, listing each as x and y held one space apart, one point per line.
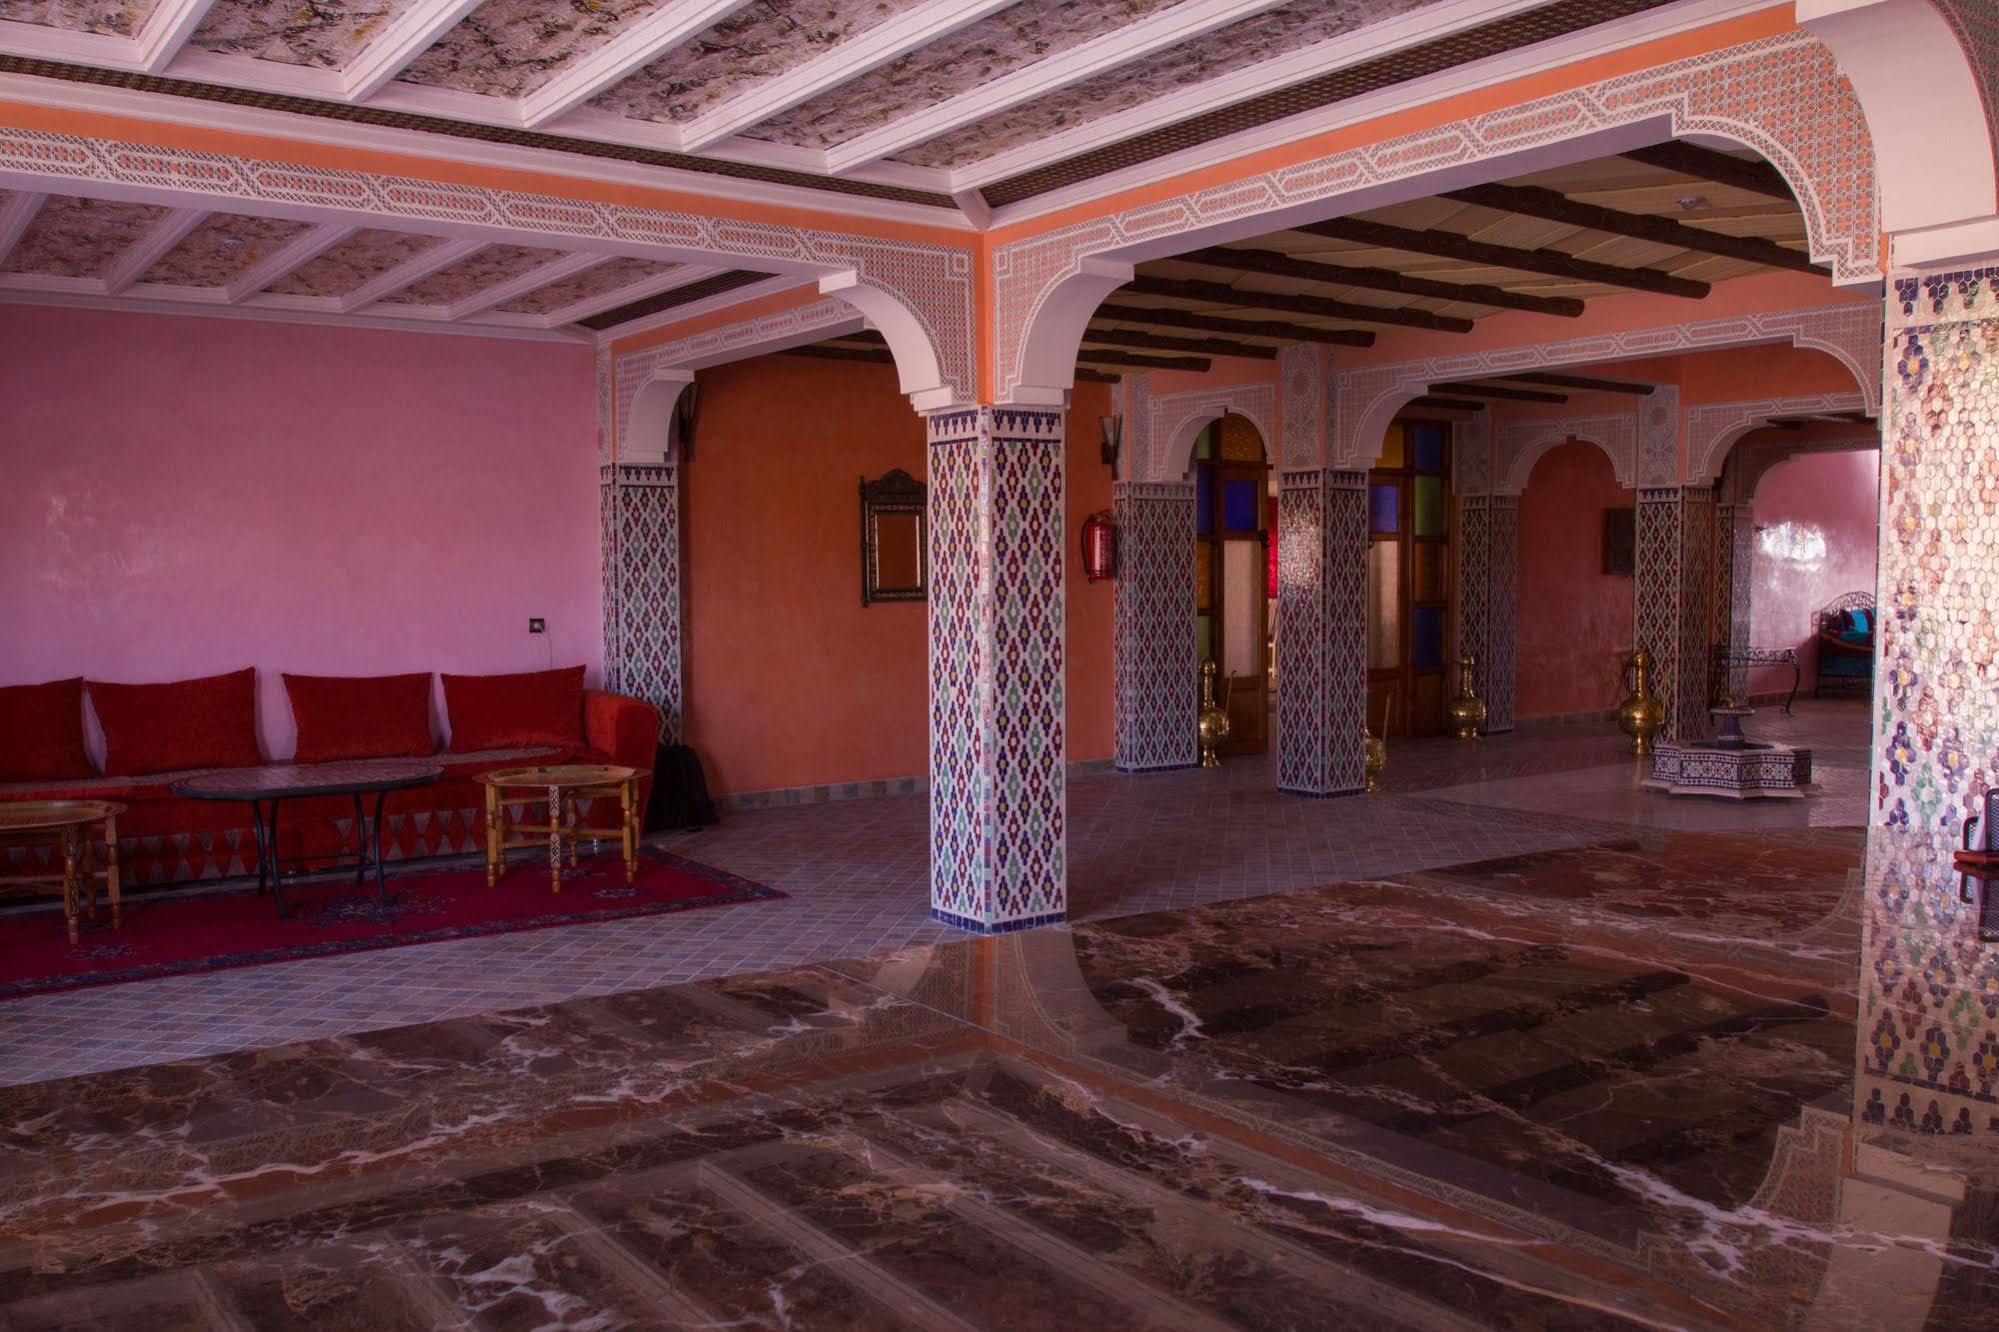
642 587
1158 676
998 778
934 282
1656 591
1322 618
1473 538
1502 613
1521 444
1781 95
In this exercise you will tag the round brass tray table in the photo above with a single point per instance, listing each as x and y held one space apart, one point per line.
558 786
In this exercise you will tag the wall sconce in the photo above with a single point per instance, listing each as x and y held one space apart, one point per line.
1113 427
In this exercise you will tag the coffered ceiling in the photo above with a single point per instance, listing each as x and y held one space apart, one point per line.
918 101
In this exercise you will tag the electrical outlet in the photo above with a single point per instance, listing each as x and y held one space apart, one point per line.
537 625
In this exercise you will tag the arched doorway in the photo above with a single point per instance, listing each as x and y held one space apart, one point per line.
1409 578
1233 584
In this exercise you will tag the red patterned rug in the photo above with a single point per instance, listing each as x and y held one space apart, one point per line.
233 927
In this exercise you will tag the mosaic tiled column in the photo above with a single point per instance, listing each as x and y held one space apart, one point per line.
1675 556
1472 537
1936 668
1322 634
998 793
1158 679
639 507
1734 531
1502 612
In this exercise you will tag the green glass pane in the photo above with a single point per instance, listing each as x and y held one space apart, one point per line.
1204 443
1205 632
1429 519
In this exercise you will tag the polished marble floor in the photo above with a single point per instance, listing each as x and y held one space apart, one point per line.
856 872
1549 1090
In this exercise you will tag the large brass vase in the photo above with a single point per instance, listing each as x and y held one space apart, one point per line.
1214 724
1467 710
1374 754
1641 715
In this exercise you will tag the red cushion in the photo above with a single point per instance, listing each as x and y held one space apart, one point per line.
41 732
508 711
363 716
205 723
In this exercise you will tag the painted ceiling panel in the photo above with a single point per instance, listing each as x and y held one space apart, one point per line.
599 281
1221 52
361 258
296 32
511 47
222 249
81 238
473 274
759 41
113 18
1012 39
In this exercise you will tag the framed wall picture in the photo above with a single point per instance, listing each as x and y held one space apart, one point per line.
1620 541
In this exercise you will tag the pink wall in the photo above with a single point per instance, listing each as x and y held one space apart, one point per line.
1815 539
1575 620
185 496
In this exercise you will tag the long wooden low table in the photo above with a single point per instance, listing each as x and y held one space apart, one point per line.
558 786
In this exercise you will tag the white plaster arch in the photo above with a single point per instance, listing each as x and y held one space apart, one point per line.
1933 138
1178 418
1048 355
917 364
651 439
1523 443
1714 428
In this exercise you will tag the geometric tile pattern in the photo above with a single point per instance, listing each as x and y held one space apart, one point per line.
1502 611
1322 631
1690 713
1659 421
998 779
1783 95
642 587
1734 531
1675 559
1158 677
1976 25
1521 444
1474 619
1936 681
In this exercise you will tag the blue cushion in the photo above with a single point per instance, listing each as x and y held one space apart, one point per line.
1863 619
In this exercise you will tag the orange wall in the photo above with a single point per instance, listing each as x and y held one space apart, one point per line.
1575 621
789 681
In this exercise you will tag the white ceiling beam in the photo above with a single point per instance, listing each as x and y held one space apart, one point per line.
407 272
166 31
41 42
631 291
130 266
1135 41
645 41
553 271
15 215
412 33
849 60
302 250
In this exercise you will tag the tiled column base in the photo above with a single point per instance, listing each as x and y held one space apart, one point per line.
998 787
640 512
1936 656
1322 631
1158 679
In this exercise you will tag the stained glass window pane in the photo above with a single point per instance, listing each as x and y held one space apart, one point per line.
1204 500
1242 584
1391 447
1384 605
1429 646
1204 443
1204 575
1430 570
1204 633
1242 505
1428 520
1384 504
1429 446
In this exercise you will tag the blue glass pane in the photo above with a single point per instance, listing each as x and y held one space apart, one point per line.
1384 507
1204 500
1240 510
1429 448
1429 629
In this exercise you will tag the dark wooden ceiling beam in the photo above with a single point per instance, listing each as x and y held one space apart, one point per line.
1549 206
1447 404
1382 279
1124 337
820 351
1245 328
1495 391
1631 386
1089 376
1548 263
1095 357
1690 159
1318 306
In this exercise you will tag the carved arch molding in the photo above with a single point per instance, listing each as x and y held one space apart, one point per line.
932 283
1782 95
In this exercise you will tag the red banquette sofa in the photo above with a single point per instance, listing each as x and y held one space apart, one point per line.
158 734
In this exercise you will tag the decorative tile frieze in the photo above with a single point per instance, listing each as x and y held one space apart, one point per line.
1158 677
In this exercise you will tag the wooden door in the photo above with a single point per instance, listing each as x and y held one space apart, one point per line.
1409 578
1232 575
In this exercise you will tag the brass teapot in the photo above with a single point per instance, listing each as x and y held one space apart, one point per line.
1641 715
1214 723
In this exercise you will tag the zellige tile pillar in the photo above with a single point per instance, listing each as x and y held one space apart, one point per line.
1322 631
998 790
1156 644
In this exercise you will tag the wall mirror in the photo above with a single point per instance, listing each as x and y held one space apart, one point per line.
894 552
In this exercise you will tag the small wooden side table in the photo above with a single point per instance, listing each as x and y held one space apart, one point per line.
558 786
72 825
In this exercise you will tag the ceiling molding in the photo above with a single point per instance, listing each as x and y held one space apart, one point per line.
300 252
412 32
268 309
659 31
166 31
681 276
409 271
149 249
533 280
15 215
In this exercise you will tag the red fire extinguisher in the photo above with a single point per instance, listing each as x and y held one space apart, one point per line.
1100 546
